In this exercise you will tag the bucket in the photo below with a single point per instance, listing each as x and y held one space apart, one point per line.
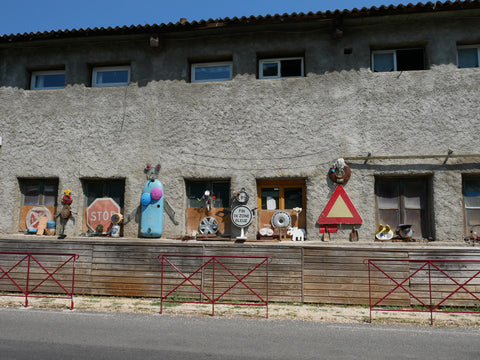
50 230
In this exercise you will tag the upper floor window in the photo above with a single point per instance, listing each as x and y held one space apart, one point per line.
53 79
281 68
398 60
110 76
213 71
468 56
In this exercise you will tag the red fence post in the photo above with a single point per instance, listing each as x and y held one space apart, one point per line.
28 280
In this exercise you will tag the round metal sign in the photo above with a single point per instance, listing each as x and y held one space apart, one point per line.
242 216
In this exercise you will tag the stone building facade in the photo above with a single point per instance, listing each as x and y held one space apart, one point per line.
267 104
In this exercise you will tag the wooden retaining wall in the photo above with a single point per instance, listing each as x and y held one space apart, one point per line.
299 272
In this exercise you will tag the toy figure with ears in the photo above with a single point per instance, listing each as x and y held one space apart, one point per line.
152 205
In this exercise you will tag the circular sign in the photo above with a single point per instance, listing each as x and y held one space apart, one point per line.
35 214
242 216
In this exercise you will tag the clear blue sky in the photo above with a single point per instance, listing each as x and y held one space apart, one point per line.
24 16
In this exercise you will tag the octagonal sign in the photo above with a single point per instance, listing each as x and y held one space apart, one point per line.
100 212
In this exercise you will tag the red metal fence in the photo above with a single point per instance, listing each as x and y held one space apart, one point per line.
210 278
432 286
35 273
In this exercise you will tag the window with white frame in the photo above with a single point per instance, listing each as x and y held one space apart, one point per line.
398 60
43 80
110 76
281 68
468 56
471 201
212 71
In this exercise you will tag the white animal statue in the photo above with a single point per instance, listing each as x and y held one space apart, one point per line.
296 233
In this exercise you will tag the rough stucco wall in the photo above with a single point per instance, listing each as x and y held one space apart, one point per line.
246 129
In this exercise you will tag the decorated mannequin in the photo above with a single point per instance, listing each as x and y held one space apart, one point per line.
66 211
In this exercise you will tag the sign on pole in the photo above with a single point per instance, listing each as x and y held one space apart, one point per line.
241 217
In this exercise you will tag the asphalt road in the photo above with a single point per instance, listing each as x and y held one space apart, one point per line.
46 334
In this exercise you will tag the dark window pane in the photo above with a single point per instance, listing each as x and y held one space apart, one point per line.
414 194
195 191
221 72
270 69
112 77
468 58
50 194
471 187
221 191
293 197
383 62
105 188
115 190
291 67
410 59
52 81
270 198
387 194
31 194
94 190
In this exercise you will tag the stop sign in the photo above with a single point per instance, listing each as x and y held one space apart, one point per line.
100 212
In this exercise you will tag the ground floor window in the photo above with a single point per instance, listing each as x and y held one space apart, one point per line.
208 206
275 195
404 201
471 201
94 189
38 198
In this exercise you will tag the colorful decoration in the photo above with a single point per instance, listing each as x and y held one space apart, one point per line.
67 197
208 198
152 200
339 173
405 231
384 232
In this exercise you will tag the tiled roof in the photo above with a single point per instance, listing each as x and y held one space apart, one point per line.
184 25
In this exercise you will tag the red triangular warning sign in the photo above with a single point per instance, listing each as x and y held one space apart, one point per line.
340 210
